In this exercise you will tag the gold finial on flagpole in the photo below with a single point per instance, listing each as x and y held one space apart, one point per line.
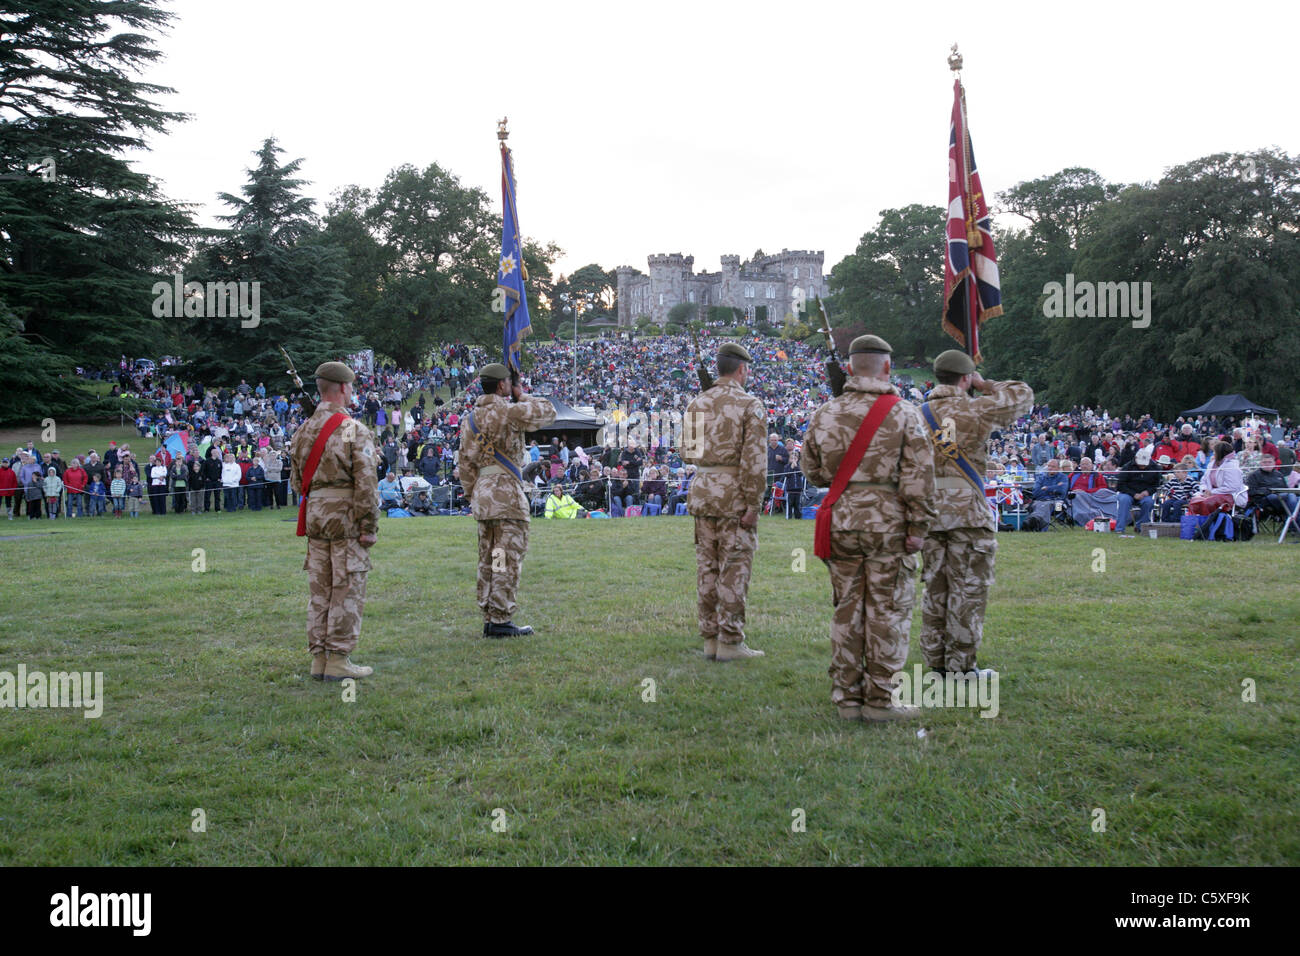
502 133
954 60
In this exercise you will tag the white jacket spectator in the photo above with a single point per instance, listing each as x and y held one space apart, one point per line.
231 474
1225 479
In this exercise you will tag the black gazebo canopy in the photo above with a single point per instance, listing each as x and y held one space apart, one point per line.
1230 405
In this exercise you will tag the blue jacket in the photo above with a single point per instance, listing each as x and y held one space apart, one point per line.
1049 486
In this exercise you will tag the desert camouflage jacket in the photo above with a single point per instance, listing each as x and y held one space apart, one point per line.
349 464
727 427
973 419
501 426
900 456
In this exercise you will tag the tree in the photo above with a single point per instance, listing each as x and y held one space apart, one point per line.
84 235
422 253
274 245
683 312
892 284
602 284
1056 209
1221 253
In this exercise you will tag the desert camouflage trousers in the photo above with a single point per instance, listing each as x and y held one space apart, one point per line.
724 555
958 575
336 572
873 587
502 544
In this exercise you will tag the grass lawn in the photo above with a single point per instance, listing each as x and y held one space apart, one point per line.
1121 691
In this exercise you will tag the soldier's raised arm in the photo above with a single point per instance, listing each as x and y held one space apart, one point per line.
530 412
1001 402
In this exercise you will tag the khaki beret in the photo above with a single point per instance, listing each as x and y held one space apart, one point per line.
335 372
495 370
955 361
733 349
870 343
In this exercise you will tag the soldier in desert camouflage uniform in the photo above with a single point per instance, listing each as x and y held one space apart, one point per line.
960 548
726 439
495 490
342 514
877 528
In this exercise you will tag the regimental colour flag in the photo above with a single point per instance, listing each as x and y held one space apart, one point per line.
972 293
511 274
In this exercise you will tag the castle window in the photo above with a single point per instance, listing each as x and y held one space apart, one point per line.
661 298
796 272
690 296
749 292
771 292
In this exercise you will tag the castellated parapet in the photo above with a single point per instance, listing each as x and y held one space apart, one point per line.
771 284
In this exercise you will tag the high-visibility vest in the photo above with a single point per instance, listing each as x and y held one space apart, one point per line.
564 507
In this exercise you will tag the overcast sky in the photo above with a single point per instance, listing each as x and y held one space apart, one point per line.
715 126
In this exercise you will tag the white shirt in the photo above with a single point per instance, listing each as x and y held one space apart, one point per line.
158 475
231 473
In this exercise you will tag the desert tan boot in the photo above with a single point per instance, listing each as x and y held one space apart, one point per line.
340 667
736 652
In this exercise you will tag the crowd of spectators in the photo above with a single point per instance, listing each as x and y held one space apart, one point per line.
232 453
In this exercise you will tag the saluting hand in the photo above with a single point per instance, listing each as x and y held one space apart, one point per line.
366 540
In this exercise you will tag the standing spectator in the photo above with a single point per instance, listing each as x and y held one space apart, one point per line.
33 491
778 459
117 488
212 469
97 496
53 492
794 486
74 483
194 485
180 476
231 474
134 492
157 485
8 487
256 478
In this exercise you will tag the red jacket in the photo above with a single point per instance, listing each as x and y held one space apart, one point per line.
1088 481
244 467
74 480
1166 447
8 482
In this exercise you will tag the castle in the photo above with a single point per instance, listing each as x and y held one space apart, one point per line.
768 286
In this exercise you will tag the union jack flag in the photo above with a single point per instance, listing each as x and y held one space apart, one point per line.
972 293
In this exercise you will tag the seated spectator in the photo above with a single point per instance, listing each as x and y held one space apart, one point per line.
411 485
1250 457
1090 496
1222 485
1137 486
1048 495
1176 489
560 505
1261 490
653 489
390 492
685 475
622 492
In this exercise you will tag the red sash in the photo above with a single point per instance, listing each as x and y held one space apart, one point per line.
313 460
866 431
